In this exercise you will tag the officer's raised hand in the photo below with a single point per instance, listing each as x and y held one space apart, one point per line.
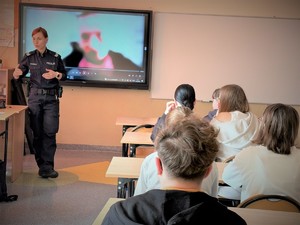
18 72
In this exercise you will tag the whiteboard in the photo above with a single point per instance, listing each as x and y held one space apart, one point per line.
262 55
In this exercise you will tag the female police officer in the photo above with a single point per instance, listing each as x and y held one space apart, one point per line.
46 69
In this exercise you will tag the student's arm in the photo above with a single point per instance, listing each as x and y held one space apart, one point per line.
231 174
158 126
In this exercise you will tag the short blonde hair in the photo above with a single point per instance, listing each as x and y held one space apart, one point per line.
177 114
187 148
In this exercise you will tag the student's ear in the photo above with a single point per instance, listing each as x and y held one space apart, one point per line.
208 170
158 166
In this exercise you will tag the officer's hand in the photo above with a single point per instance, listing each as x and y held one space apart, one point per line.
50 74
18 72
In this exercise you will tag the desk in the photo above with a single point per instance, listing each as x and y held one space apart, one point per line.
267 217
103 212
251 216
129 167
127 170
136 139
127 122
14 118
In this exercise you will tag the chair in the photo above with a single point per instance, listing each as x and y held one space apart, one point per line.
271 202
229 159
142 127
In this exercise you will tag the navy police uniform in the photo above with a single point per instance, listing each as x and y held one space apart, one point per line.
43 104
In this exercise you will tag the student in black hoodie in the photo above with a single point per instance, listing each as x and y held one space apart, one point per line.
186 151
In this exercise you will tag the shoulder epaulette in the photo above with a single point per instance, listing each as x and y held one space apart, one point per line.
29 53
53 53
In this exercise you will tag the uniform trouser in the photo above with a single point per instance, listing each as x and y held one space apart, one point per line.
44 122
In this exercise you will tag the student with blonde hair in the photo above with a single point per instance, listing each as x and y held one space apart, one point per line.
236 124
272 165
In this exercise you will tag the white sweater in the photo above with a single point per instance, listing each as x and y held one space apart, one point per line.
258 170
235 134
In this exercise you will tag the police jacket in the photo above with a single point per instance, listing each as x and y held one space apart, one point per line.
36 64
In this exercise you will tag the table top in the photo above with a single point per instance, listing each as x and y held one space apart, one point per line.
10 110
134 121
129 167
251 216
126 167
142 138
267 217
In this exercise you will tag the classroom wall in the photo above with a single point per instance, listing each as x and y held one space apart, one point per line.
88 115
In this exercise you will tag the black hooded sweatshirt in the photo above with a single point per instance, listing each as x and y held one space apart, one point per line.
166 207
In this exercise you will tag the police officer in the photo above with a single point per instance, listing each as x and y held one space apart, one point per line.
46 69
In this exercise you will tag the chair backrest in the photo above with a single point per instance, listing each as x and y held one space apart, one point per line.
229 159
271 202
142 127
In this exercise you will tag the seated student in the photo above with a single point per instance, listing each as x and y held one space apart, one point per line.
272 166
184 96
237 126
148 178
215 106
186 151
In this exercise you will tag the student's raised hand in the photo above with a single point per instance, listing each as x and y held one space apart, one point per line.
170 106
18 72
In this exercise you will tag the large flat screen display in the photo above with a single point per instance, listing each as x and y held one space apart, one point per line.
99 47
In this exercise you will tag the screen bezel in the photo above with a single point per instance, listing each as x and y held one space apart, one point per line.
96 83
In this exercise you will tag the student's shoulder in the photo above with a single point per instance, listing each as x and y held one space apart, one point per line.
150 157
225 214
223 116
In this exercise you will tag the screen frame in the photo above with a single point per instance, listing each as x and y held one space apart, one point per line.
148 39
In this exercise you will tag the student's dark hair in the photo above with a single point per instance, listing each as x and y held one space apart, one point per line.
185 95
279 128
233 98
188 147
40 29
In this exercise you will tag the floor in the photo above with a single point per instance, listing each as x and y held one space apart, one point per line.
75 197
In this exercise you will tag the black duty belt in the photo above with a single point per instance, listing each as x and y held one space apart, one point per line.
45 91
